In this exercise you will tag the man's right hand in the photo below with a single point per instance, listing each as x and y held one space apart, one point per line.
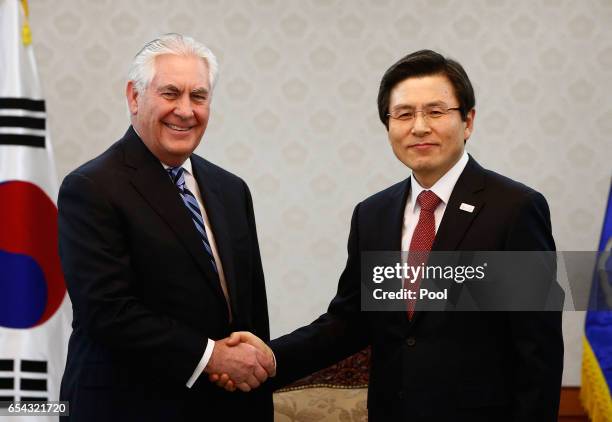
265 358
243 363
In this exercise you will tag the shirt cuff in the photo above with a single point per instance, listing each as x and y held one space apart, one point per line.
203 362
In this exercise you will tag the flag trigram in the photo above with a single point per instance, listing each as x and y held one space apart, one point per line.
23 380
22 122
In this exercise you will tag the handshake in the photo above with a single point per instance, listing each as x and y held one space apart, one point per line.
241 361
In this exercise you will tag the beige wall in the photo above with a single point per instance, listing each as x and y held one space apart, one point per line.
294 112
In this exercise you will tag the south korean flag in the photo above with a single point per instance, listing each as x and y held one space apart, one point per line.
35 311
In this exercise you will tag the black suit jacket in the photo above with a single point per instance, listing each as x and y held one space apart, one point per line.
443 366
145 296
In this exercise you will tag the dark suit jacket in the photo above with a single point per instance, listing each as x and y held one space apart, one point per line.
443 366
145 296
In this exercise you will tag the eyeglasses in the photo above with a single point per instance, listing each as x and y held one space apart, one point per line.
429 113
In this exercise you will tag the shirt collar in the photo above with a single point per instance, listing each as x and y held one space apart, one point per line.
186 166
443 187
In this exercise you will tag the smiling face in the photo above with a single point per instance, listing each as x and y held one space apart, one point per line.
429 148
171 115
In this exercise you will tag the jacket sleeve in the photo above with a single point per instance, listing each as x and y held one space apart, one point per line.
94 251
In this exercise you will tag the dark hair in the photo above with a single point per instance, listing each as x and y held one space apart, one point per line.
426 63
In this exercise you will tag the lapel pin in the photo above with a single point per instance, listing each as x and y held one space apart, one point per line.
466 207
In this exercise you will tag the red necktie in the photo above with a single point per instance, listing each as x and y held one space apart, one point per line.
422 240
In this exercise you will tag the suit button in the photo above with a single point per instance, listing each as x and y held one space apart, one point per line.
411 341
401 395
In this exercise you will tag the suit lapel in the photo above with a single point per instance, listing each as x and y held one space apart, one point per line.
152 181
457 221
387 235
217 216
392 218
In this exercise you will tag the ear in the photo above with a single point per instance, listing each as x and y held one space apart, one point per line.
132 97
469 124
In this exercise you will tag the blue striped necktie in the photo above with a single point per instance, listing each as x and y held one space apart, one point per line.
177 174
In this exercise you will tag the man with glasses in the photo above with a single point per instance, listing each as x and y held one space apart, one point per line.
438 366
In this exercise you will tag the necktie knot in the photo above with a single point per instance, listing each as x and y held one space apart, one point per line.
177 176
428 200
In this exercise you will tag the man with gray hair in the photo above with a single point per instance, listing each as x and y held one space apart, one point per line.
161 259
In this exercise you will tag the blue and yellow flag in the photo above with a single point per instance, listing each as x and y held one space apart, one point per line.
597 356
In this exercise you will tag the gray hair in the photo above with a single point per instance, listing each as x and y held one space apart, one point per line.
143 66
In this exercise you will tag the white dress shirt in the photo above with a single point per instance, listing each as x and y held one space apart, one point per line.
442 188
192 185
